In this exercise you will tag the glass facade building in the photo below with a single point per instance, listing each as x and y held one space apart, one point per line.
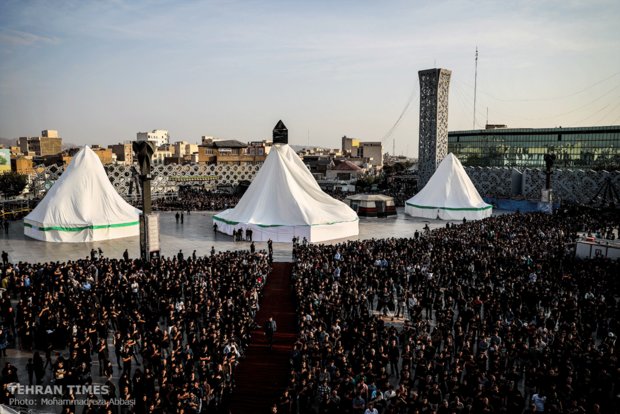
595 148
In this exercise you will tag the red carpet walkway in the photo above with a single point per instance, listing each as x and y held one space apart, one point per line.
263 374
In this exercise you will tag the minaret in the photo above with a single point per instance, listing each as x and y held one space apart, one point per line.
433 146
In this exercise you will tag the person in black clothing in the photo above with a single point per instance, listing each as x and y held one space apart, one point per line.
126 255
177 216
248 234
6 227
30 369
270 329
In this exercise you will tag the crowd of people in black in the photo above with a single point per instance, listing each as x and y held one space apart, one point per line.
194 199
499 317
491 316
165 335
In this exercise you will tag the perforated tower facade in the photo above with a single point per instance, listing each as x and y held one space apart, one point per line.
433 147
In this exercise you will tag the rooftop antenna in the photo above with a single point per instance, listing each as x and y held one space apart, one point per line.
475 86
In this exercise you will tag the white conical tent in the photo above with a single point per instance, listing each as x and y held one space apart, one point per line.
82 206
449 195
284 200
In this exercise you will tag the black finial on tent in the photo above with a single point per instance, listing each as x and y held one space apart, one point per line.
280 133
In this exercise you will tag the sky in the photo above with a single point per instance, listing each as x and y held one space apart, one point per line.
100 71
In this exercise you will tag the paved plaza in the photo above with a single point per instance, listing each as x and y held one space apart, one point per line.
196 233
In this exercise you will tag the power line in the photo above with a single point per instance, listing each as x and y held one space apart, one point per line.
512 115
402 114
548 99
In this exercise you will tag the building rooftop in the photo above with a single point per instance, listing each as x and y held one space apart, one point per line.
347 166
529 131
227 143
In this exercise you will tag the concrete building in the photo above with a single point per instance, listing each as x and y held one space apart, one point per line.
22 165
344 171
183 152
373 151
226 152
163 152
355 148
433 147
158 136
123 152
104 154
259 147
350 146
49 143
318 164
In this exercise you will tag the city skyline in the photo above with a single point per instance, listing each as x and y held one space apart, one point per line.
99 72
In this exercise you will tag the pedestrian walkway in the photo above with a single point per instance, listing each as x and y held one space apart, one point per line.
263 374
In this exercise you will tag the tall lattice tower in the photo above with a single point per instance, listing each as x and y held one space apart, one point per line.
434 88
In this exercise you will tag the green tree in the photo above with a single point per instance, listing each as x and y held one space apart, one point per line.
12 183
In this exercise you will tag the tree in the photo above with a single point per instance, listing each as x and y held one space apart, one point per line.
12 183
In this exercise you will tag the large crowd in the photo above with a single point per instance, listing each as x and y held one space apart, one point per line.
491 316
193 199
166 334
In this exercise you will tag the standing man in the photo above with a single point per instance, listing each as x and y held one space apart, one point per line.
126 255
5 258
177 216
6 226
270 329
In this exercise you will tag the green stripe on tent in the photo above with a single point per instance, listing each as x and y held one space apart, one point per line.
451 208
234 223
93 227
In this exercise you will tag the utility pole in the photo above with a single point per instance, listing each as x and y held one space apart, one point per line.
475 86
393 147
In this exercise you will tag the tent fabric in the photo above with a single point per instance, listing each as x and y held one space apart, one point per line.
449 195
372 205
284 200
82 206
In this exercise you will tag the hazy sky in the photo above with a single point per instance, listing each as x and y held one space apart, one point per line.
100 71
